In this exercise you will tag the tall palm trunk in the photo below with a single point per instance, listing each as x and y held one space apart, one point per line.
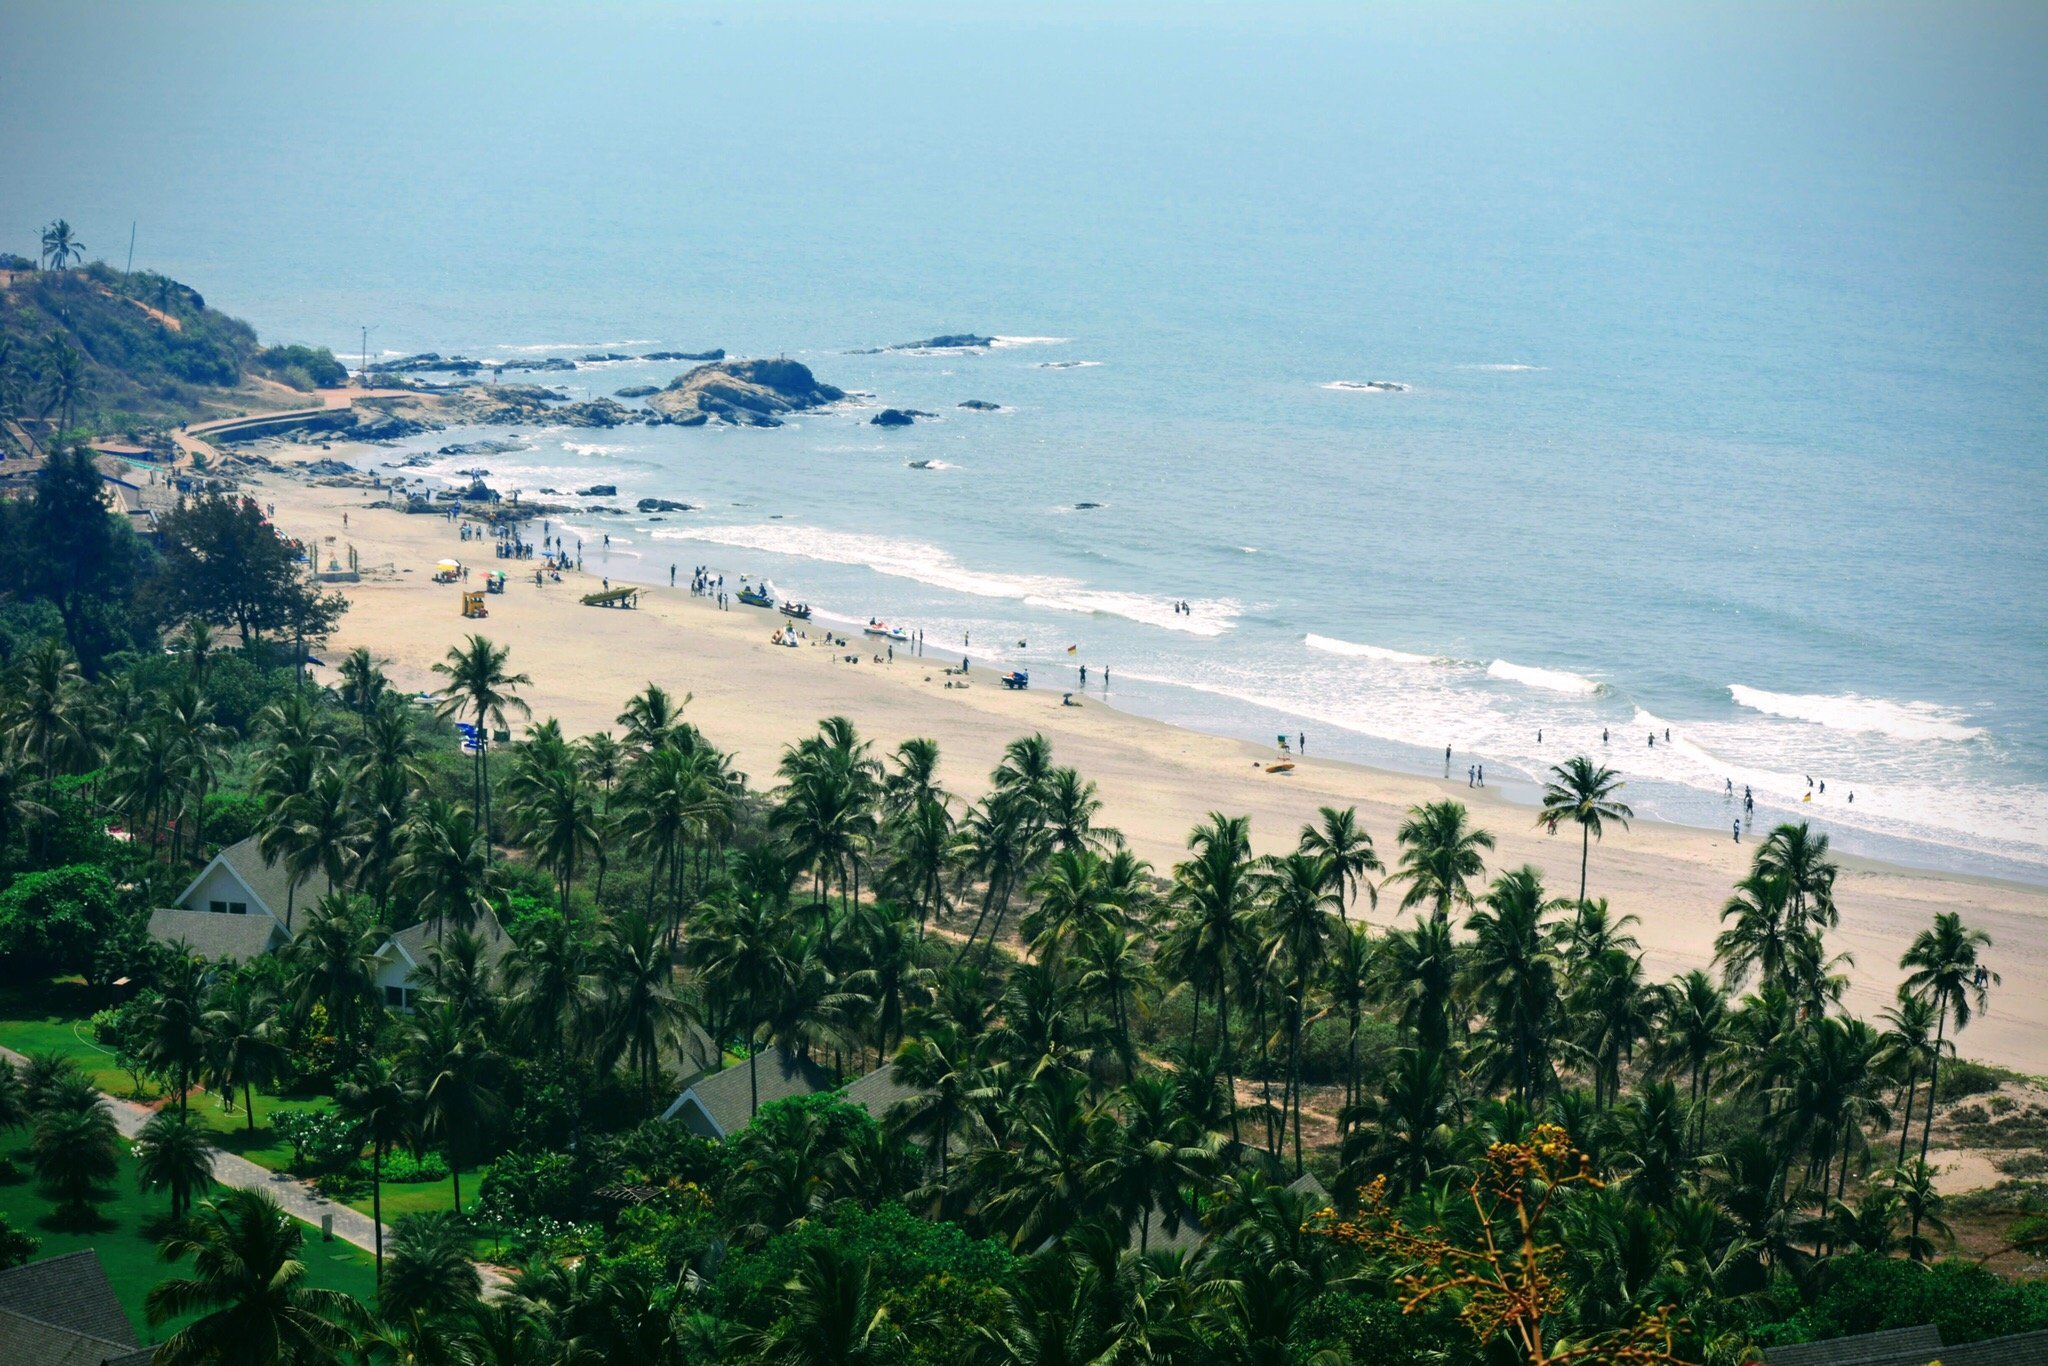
1906 1123
1585 852
1933 1080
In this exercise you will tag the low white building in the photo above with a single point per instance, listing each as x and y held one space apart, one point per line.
403 958
241 905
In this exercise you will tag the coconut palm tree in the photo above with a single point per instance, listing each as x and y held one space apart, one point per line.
1798 858
1943 965
243 1049
1419 971
838 1315
1338 837
1215 897
450 1066
481 688
950 1099
997 844
1694 1031
175 1037
1758 944
1440 856
652 718
642 1011
561 821
174 1152
1512 968
446 866
553 993
1300 893
47 709
332 963
1155 1152
1070 809
1350 981
1583 793
1113 973
61 246
64 379
740 946
380 1108
1405 1134
1909 1047
314 832
248 1286
363 684
913 781
1616 1010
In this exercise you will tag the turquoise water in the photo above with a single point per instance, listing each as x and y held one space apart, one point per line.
1725 338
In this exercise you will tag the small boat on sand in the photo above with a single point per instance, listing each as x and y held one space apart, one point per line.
757 596
885 630
1284 766
800 610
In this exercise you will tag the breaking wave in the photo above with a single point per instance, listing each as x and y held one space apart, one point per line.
1354 650
1551 680
1867 715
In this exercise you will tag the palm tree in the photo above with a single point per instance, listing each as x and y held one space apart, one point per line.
449 1065
363 683
1440 855
837 1317
249 1288
1582 792
1420 969
1156 1152
1216 894
562 820
1344 842
175 1025
1513 970
998 844
75 1152
1406 1135
1616 1010
642 1010
175 1152
652 718
313 832
1695 1032
1301 891
1798 858
242 1045
332 963
60 246
1910 1044
949 1101
480 687
740 948
1114 973
46 714
376 1101
1759 942
1073 901
548 973
64 379
430 1273
1943 967
1351 976
446 865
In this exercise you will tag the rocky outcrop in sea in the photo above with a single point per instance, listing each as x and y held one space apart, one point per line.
742 393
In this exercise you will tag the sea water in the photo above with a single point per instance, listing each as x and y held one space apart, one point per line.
1470 375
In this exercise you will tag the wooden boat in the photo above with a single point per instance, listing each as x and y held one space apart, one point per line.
757 597
800 610
1283 766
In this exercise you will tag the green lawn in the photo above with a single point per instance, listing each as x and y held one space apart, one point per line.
129 1253
57 1018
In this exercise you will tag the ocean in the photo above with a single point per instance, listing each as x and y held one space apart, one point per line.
1716 338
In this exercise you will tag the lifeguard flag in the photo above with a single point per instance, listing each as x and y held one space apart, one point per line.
1072 648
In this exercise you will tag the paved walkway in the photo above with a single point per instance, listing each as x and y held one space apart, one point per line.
295 1197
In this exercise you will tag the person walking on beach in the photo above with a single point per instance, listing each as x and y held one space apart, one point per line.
1447 761
671 576
1482 775
1468 776
1302 747
1738 832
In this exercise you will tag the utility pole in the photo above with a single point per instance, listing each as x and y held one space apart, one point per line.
131 246
366 355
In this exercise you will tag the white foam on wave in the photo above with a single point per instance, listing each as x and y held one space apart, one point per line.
1003 342
1504 368
1067 364
1551 680
1368 386
577 346
1353 650
931 565
1868 715
590 448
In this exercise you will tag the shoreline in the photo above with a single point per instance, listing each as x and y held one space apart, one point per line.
1156 779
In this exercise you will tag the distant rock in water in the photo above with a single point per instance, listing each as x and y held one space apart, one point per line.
923 465
636 391
478 448
596 412
661 505
550 363
744 393
1083 507
599 491
951 341
1066 364
982 405
424 363
1370 386
897 417
718 354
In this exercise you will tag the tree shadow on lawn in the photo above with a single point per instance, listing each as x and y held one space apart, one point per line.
77 1219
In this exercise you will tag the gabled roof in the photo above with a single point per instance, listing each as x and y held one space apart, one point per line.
418 942
726 1098
1893 1347
211 935
692 1055
879 1092
1190 1234
62 1309
267 881
2020 1349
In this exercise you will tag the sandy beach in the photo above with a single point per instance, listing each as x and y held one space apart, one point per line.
1156 781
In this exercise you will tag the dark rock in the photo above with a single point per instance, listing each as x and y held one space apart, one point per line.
548 363
596 412
661 505
371 425
599 491
637 391
717 354
743 392
1083 507
327 467
891 417
478 448
950 341
982 405
596 356
921 464
425 361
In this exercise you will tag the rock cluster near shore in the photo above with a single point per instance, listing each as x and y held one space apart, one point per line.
742 393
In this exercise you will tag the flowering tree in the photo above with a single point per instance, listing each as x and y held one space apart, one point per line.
1505 1278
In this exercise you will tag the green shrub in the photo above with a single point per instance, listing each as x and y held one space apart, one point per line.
1960 1077
51 921
321 1140
521 1187
1866 1294
407 1169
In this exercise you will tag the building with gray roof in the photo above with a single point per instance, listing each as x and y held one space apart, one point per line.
722 1104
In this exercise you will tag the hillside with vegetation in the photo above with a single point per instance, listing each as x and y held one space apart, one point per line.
85 346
